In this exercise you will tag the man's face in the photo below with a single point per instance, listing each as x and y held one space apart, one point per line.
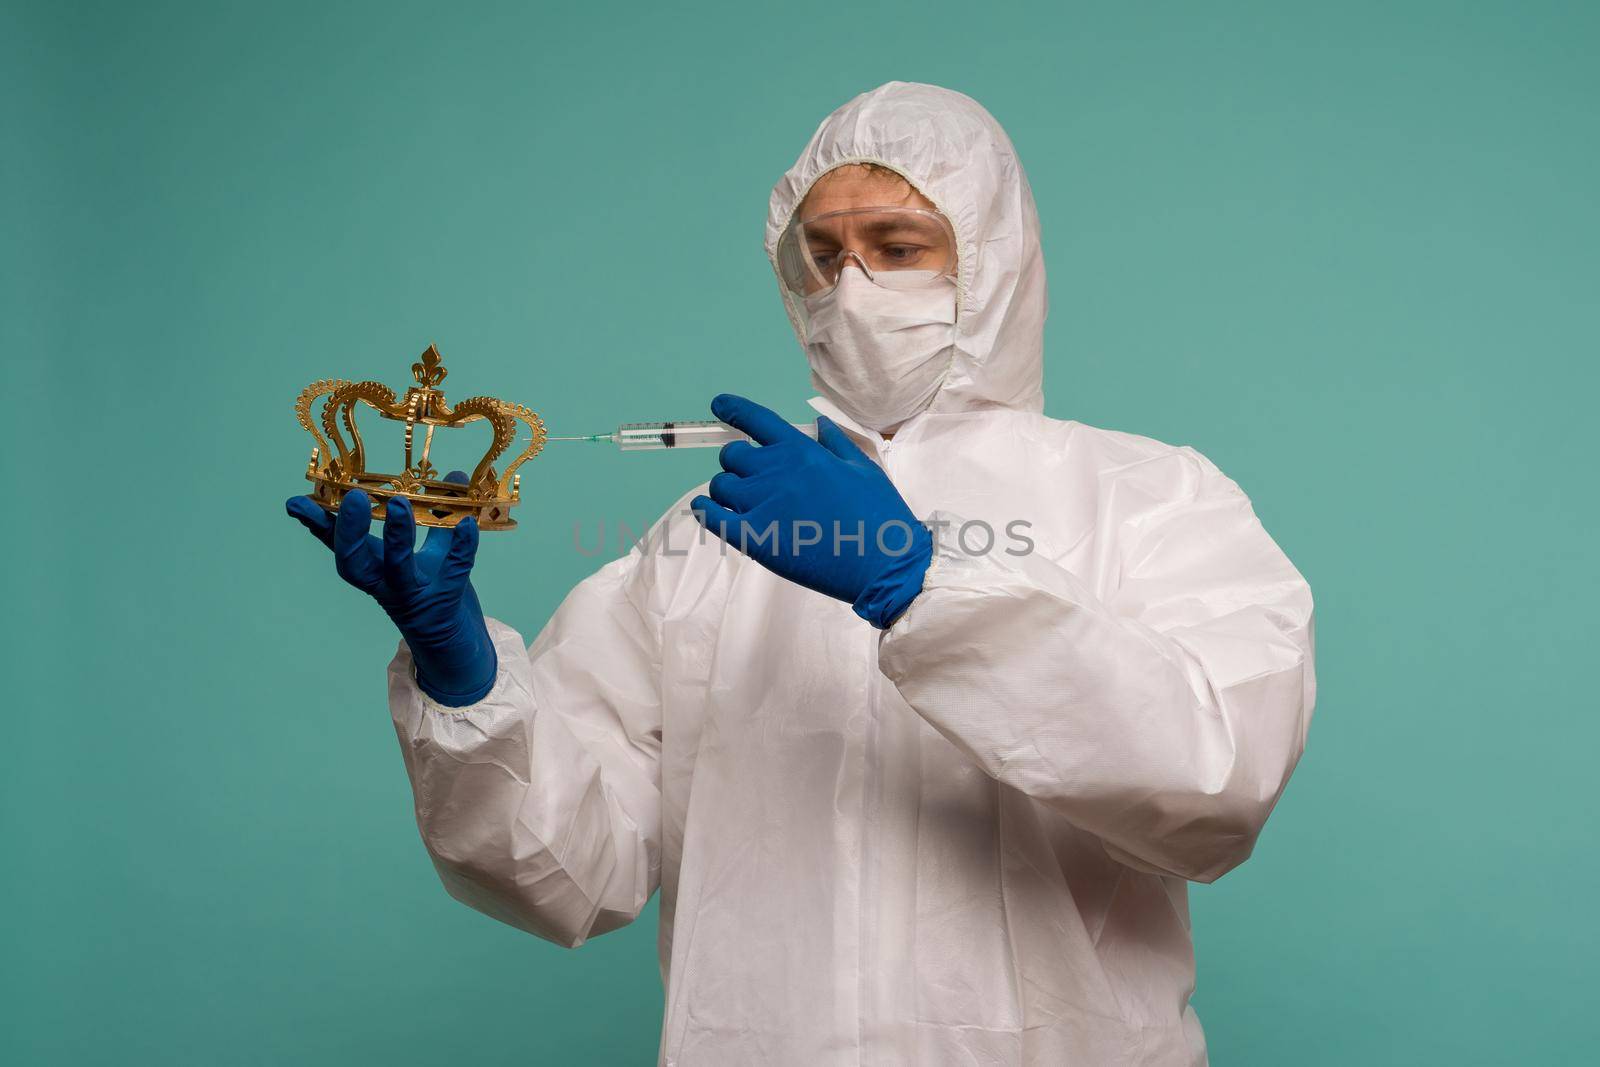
884 242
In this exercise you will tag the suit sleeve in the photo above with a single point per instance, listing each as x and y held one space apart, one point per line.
540 805
1164 716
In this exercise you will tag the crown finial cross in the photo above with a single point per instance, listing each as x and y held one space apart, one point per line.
429 371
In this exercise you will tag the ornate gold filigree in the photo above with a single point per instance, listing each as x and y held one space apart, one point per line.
336 467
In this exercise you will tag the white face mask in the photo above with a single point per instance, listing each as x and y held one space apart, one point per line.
880 354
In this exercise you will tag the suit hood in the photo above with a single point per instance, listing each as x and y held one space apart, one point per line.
953 152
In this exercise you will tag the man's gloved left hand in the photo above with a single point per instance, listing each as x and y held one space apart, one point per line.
426 592
819 513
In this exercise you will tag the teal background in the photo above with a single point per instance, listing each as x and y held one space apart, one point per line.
1346 250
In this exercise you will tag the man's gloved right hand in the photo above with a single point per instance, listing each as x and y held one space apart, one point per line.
427 593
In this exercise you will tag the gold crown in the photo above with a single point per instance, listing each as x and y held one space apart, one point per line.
486 496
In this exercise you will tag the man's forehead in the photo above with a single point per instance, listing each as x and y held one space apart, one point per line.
855 186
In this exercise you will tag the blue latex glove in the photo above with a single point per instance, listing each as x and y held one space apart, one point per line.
427 592
782 501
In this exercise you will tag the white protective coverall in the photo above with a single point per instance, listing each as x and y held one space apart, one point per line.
963 840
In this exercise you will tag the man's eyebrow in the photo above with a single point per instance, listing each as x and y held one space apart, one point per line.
882 226
877 229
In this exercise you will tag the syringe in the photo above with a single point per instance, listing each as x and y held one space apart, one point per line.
652 436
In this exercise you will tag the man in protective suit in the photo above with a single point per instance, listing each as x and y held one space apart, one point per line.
923 746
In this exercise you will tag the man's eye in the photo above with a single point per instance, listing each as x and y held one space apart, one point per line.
824 259
902 254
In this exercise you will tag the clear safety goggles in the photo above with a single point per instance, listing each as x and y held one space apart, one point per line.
895 247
